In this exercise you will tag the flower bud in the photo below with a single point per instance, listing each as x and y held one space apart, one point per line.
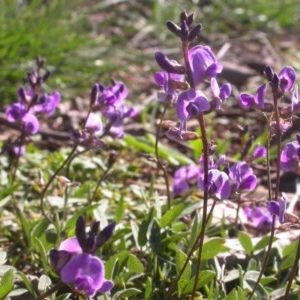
190 19
194 32
166 64
269 73
174 28
105 234
184 31
183 16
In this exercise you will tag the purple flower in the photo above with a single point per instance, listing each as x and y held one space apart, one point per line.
15 112
183 178
166 80
287 78
254 101
94 124
258 217
289 158
115 117
113 95
19 150
47 104
31 124
86 272
76 263
277 208
220 94
243 176
190 103
203 63
259 151
218 184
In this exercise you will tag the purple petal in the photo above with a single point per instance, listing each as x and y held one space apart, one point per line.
260 95
31 124
246 100
249 183
225 91
15 112
287 78
85 272
295 98
71 245
214 87
259 151
107 285
159 78
94 123
274 208
218 184
289 158
203 63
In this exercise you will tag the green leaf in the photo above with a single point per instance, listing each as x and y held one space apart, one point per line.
126 293
232 295
246 242
148 289
134 265
204 278
241 294
184 280
212 247
171 215
42 252
143 229
115 264
25 226
119 211
7 283
39 229
27 283
263 243
6 191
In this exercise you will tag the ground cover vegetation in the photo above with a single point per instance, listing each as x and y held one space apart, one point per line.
149 152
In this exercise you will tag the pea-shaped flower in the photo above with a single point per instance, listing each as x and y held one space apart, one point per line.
76 262
218 184
203 63
289 158
277 208
242 174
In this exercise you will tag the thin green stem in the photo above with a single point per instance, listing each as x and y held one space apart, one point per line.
102 177
190 253
266 258
46 187
293 272
205 201
159 162
278 147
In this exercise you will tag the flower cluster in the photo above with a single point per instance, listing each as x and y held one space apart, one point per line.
180 82
76 263
280 84
237 178
110 101
31 103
